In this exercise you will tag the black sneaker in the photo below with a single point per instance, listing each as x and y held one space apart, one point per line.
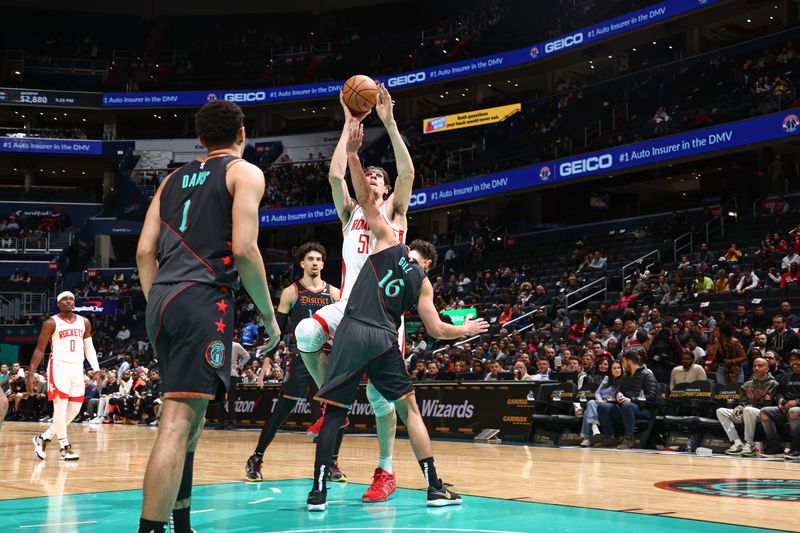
39 446
442 497
773 451
253 468
627 443
318 500
792 455
607 442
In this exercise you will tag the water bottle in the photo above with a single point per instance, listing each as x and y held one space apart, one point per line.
557 395
690 444
641 397
583 396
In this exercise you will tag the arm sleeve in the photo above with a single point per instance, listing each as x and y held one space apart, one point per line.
282 319
90 353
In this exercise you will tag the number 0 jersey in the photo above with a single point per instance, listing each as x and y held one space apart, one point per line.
358 243
386 287
67 340
195 242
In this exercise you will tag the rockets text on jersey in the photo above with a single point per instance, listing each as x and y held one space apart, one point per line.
67 339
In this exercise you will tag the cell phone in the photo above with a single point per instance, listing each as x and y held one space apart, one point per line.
557 361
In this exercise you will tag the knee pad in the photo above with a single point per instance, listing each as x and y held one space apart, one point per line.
310 336
380 405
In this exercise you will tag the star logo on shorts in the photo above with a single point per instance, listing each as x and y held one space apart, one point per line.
220 326
227 261
222 306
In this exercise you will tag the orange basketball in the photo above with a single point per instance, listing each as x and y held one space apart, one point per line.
360 93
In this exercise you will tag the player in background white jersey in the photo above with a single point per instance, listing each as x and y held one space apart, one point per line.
358 243
70 336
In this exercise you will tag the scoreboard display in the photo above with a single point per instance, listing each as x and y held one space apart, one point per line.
38 97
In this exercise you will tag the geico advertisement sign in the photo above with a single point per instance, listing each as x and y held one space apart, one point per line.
577 167
246 97
406 79
564 42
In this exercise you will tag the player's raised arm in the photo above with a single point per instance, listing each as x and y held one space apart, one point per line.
248 189
380 228
341 195
405 166
48 328
434 325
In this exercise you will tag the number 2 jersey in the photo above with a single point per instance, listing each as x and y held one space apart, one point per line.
195 242
358 243
387 286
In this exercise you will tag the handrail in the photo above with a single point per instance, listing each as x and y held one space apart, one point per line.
640 261
689 244
604 290
470 339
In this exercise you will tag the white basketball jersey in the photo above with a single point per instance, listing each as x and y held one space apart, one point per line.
358 243
67 340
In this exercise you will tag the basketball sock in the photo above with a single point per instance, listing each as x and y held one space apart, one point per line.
150 526
48 433
429 471
385 464
282 411
60 417
183 503
339 438
595 429
63 443
326 442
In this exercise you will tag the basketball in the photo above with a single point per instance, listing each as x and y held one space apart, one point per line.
360 93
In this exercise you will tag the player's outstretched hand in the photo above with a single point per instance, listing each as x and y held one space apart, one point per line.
354 138
475 327
384 107
349 116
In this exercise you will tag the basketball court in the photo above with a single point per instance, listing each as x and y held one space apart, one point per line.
507 488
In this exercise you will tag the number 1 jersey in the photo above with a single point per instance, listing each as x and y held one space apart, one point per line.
195 242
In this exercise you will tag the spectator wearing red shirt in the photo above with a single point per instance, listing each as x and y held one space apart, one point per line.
791 277
777 244
576 330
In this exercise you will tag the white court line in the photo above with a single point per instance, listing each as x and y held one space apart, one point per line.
315 530
262 500
276 490
59 524
201 511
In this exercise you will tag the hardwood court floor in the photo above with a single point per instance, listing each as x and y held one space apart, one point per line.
113 458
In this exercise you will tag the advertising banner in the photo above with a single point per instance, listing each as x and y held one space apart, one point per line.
775 127
99 306
634 20
34 145
19 334
458 410
481 117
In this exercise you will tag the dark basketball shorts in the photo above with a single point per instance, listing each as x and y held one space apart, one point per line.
191 327
361 349
297 380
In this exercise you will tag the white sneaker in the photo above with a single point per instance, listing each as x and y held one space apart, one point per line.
39 446
68 455
95 420
735 449
748 450
585 443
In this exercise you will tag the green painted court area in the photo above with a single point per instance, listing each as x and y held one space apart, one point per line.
280 506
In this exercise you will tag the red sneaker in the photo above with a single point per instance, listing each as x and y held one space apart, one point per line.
313 430
383 486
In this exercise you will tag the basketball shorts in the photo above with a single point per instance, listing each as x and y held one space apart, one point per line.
65 380
361 349
330 316
297 379
191 327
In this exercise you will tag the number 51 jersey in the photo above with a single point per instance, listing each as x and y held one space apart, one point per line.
387 286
